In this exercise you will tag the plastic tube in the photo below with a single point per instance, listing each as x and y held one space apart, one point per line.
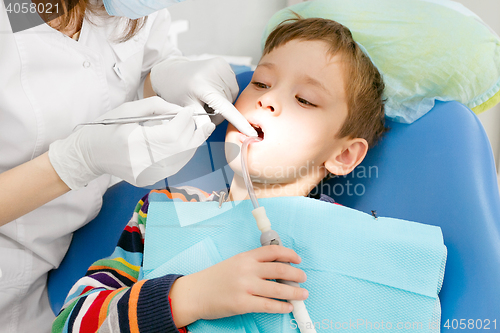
270 236
244 169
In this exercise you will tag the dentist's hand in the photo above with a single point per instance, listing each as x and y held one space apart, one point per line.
141 155
196 83
239 285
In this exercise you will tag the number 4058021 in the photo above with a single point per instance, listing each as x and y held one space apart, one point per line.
25 7
471 324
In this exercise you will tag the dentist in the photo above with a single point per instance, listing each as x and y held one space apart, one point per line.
79 67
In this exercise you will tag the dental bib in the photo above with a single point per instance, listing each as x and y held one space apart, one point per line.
362 273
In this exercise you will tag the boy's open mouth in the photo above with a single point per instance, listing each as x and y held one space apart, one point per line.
259 131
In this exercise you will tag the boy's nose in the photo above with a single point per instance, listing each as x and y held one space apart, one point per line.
268 103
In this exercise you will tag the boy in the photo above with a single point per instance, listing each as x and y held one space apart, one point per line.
315 100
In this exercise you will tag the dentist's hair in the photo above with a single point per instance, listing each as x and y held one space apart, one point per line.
74 12
363 83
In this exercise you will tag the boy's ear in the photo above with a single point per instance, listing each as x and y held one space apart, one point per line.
352 153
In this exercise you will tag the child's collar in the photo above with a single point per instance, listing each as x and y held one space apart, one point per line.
223 196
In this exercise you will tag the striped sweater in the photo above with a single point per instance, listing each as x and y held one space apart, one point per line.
110 298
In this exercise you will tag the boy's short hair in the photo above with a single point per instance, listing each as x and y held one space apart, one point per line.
364 84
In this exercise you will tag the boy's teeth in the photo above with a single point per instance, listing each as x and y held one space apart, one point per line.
259 131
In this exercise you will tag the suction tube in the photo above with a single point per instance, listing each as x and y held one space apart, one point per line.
244 169
271 237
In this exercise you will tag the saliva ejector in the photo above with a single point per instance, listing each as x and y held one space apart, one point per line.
271 237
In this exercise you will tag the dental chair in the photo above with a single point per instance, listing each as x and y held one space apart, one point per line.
438 170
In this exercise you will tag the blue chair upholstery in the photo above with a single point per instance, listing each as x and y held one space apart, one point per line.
438 170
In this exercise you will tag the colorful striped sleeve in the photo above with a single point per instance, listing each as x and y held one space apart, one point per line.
109 298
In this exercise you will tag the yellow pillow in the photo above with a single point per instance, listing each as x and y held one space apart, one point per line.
426 50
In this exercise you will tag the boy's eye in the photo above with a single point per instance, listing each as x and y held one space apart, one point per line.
303 101
260 85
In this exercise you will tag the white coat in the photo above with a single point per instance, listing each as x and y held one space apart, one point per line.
48 84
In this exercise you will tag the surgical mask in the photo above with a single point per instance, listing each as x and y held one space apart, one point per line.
135 9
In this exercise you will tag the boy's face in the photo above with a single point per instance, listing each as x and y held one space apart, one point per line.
297 102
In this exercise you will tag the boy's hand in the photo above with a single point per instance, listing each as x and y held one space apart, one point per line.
239 285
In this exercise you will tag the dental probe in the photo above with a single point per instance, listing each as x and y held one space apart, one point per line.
271 237
142 119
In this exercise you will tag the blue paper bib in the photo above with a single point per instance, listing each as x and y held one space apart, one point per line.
363 273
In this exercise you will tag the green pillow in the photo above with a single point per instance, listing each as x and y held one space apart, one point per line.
426 50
